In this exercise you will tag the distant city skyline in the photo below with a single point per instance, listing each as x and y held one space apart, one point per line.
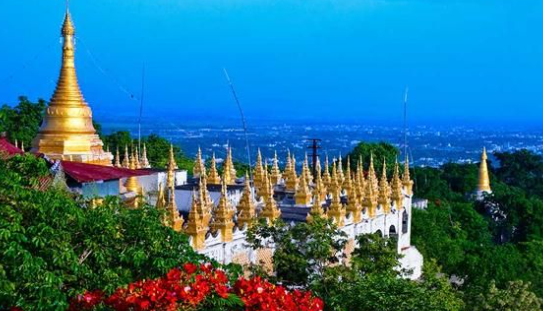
463 61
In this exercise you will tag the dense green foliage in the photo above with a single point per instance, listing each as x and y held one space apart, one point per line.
22 122
52 246
490 246
308 255
380 151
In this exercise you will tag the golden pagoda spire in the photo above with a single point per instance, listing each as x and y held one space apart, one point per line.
396 185
306 172
275 171
288 165
484 181
207 202
303 194
137 158
132 185
327 179
348 181
341 176
229 172
126 159
144 160
270 211
384 190
320 188
259 171
406 179
292 178
67 129
213 175
372 176
336 211
370 200
175 221
223 216
246 206
361 183
199 167
197 227
316 210
117 158
161 197
172 158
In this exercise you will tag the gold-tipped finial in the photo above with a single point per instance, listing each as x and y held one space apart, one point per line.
396 185
144 160
199 167
360 182
126 160
370 200
246 206
326 178
117 158
213 175
270 211
132 185
306 172
137 158
336 211
303 194
224 213
67 130
175 221
258 177
291 180
384 190
372 176
484 181
197 226
288 165
275 171
406 179
320 188
340 174
229 172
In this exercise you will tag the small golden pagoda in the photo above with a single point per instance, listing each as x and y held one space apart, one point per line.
316 210
224 213
67 130
246 207
213 176
229 174
175 221
406 179
275 171
335 210
197 226
270 211
326 178
199 167
291 179
484 181
303 193
384 190
396 185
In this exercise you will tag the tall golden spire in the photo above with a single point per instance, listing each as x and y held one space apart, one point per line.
275 171
396 185
213 175
360 182
144 160
384 190
259 171
316 210
320 188
336 211
67 130
306 172
137 158
117 158
370 200
372 176
246 206
199 167
197 227
207 202
270 211
326 176
288 165
303 194
126 160
224 213
161 197
291 180
175 221
406 179
340 174
171 159
484 180
229 172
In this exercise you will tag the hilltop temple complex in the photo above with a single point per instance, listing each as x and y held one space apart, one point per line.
216 209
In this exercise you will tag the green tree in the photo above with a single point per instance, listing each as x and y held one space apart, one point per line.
376 254
516 296
522 169
23 121
54 245
302 252
379 151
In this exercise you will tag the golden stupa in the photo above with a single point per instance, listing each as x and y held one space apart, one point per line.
67 131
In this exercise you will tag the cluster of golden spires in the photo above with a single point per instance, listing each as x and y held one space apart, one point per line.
67 132
140 161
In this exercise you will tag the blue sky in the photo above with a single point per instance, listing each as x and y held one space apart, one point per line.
329 60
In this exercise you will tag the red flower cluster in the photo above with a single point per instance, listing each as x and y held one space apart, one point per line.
190 288
258 294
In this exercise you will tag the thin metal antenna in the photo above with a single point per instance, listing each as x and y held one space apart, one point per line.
141 104
242 120
405 120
